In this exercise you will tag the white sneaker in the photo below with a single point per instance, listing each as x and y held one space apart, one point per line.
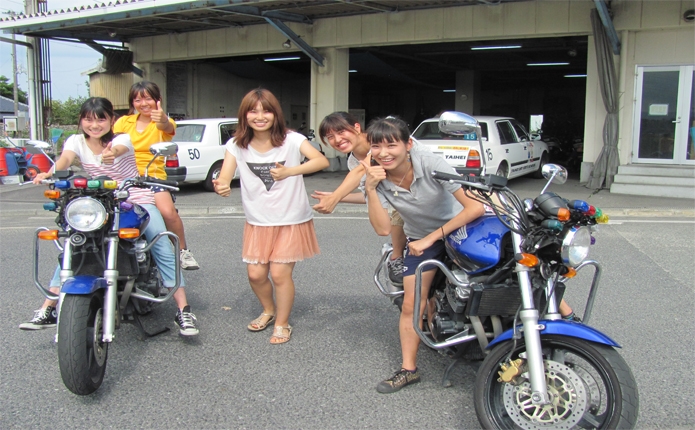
187 260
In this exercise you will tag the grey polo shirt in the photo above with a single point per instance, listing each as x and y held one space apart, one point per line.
430 202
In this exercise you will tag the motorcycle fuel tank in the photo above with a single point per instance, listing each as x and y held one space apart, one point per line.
477 246
133 216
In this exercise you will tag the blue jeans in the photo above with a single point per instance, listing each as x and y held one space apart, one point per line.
162 251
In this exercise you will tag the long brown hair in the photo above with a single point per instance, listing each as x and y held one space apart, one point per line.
244 133
143 88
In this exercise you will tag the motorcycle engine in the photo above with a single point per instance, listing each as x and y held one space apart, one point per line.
445 308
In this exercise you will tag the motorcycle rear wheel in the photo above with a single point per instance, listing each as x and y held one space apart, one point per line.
584 378
81 353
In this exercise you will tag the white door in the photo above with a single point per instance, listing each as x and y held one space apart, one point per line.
664 126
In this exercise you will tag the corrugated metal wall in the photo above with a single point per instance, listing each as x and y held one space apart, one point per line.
113 87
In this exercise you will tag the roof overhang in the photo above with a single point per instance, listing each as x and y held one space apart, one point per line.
125 20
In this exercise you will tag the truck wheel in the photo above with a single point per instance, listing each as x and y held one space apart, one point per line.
214 173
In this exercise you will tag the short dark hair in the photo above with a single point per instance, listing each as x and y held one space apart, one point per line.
389 129
143 88
98 107
337 122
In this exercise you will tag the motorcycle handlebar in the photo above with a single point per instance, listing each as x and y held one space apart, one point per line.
485 183
160 181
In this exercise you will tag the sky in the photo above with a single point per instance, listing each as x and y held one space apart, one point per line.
68 60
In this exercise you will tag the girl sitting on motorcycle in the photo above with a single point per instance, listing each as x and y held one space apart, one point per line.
430 209
104 154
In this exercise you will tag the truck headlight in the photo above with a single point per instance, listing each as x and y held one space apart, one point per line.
575 245
85 214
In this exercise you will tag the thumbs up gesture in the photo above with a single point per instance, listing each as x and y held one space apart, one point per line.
280 172
158 115
107 155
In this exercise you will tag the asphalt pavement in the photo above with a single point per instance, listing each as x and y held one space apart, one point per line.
193 200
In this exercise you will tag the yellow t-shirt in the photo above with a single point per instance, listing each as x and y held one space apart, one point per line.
143 141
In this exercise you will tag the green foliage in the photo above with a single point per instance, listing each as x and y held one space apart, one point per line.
7 90
63 138
67 112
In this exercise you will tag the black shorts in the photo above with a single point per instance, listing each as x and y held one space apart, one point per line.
410 262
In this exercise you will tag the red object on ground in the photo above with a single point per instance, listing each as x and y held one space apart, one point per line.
40 161
4 168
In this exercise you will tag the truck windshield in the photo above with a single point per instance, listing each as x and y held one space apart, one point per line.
189 133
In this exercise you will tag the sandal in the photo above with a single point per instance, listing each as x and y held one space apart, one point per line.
261 323
281 334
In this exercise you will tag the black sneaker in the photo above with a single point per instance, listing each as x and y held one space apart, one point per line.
43 318
186 322
399 380
396 270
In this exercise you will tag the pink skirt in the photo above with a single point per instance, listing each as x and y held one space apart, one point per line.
279 244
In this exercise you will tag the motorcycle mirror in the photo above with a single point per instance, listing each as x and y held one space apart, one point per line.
555 173
457 123
460 124
164 149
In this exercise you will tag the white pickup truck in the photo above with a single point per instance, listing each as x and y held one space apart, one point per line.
201 150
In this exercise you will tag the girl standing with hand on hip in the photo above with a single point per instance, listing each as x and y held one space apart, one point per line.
430 209
147 124
279 228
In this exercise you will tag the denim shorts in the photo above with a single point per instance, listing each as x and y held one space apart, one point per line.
410 262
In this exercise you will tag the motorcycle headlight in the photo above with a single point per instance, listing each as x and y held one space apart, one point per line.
85 214
575 246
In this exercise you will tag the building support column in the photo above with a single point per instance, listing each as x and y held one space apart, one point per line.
467 92
329 93
157 73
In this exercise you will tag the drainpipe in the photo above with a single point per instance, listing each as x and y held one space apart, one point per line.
35 117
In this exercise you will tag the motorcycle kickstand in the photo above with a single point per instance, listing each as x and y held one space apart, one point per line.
146 335
446 378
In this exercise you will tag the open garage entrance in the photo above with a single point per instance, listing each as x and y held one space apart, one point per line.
517 78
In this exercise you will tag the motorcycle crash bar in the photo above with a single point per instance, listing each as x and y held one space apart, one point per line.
417 317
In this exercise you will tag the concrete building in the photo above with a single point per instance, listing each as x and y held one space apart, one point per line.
415 58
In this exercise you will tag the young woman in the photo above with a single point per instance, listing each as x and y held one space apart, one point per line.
343 132
279 228
430 208
101 152
146 124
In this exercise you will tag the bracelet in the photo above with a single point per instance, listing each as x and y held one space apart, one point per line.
443 235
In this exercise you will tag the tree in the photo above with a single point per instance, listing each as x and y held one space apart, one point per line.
7 90
67 112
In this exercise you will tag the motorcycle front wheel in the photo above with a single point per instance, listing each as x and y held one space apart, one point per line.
81 353
590 386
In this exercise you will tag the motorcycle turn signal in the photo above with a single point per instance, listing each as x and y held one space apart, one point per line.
528 260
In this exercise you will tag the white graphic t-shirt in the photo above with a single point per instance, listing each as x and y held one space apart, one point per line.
267 202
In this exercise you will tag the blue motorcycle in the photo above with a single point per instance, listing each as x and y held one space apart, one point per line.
107 272
495 302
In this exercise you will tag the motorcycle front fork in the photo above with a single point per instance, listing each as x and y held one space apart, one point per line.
531 331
